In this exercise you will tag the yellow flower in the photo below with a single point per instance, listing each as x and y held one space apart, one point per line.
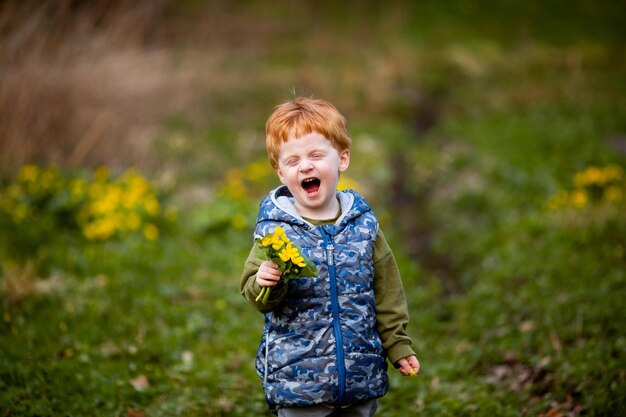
280 233
557 201
152 206
579 198
613 172
239 221
151 232
592 175
133 221
28 173
257 171
347 183
276 242
298 260
288 252
220 304
49 177
102 174
272 240
613 194
20 213
77 188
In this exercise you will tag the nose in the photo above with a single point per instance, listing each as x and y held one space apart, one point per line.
305 165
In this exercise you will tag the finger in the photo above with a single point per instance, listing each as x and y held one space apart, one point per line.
272 276
269 264
269 273
403 366
270 268
415 364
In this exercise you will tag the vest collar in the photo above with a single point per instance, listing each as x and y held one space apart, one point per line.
284 200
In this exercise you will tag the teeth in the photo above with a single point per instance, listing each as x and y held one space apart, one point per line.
309 183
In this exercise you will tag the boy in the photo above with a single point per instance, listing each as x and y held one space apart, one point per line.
325 340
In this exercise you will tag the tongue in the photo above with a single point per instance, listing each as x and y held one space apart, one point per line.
311 188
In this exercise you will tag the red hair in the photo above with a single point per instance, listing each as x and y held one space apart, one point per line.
300 117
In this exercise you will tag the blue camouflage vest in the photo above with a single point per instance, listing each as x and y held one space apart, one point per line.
321 345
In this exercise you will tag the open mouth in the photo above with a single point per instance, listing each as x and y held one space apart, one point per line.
311 185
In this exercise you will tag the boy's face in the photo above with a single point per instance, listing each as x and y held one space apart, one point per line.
309 166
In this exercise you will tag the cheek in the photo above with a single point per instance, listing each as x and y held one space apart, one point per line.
287 176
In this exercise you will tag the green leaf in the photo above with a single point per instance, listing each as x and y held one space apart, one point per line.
261 252
310 270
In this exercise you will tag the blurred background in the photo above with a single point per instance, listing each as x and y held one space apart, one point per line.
489 137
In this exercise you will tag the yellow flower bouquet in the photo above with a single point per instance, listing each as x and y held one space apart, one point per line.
277 247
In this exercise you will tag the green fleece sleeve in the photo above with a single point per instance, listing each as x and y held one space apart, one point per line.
250 289
392 313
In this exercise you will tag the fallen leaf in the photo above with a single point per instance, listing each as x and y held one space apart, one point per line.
131 412
140 383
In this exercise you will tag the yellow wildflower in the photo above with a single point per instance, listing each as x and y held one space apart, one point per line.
152 206
258 170
28 172
347 183
171 214
49 177
591 175
102 174
288 252
613 194
613 172
272 240
298 260
20 213
77 188
280 233
579 198
239 221
133 221
558 201
151 232
220 304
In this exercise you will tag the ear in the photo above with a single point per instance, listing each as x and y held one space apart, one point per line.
344 160
280 175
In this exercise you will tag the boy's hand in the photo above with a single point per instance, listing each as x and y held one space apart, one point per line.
268 274
408 366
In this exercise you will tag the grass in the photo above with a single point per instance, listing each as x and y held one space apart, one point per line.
466 122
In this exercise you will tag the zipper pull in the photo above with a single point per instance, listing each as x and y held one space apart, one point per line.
330 254
330 258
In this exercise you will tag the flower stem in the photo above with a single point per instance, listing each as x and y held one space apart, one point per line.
264 295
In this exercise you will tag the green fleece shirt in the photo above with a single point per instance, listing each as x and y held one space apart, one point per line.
392 314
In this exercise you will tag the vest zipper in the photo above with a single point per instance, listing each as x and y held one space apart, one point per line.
267 351
334 301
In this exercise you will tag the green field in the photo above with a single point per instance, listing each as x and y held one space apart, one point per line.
489 137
